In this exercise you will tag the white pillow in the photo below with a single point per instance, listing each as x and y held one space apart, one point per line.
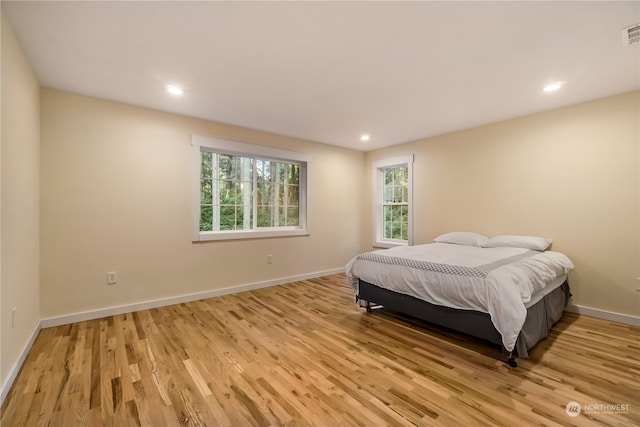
526 242
467 238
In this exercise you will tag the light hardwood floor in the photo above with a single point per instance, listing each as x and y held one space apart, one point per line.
305 354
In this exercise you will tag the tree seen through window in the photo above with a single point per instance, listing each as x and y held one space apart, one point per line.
245 193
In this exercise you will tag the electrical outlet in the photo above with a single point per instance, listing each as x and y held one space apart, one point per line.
269 259
13 316
112 278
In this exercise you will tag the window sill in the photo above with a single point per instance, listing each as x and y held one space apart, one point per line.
386 244
204 236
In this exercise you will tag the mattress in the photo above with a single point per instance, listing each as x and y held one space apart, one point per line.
547 290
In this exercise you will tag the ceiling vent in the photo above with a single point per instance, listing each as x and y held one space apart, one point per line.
631 35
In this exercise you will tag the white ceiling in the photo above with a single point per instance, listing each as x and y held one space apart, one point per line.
331 71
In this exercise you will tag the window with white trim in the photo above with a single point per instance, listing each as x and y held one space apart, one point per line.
393 201
247 191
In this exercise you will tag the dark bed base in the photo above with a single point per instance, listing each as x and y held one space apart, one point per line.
540 316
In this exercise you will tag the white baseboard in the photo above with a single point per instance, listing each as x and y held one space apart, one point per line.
13 372
145 305
606 315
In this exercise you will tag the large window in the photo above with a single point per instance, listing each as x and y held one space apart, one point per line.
248 191
393 201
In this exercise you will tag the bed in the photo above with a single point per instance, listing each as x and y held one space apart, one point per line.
508 290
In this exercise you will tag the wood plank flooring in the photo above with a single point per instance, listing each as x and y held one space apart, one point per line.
305 354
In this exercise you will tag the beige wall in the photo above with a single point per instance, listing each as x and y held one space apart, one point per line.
19 223
116 196
571 174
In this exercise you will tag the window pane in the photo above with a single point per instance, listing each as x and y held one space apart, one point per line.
244 218
227 193
294 174
387 229
396 221
399 175
206 165
293 217
277 197
246 169
280 194
397 194
238 197
236 169
227 218
264 216
396 230
264 193
281 171
206 218
397 213
388 177
224 166
239 217
388 194
263 169
206 195
294 195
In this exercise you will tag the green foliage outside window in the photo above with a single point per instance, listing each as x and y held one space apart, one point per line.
396 203
227 198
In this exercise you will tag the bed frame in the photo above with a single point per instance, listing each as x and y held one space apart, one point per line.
540 317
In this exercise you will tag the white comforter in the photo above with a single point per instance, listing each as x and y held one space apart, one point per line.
497 281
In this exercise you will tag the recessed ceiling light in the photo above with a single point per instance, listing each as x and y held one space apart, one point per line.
365 138
175 90
553 87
